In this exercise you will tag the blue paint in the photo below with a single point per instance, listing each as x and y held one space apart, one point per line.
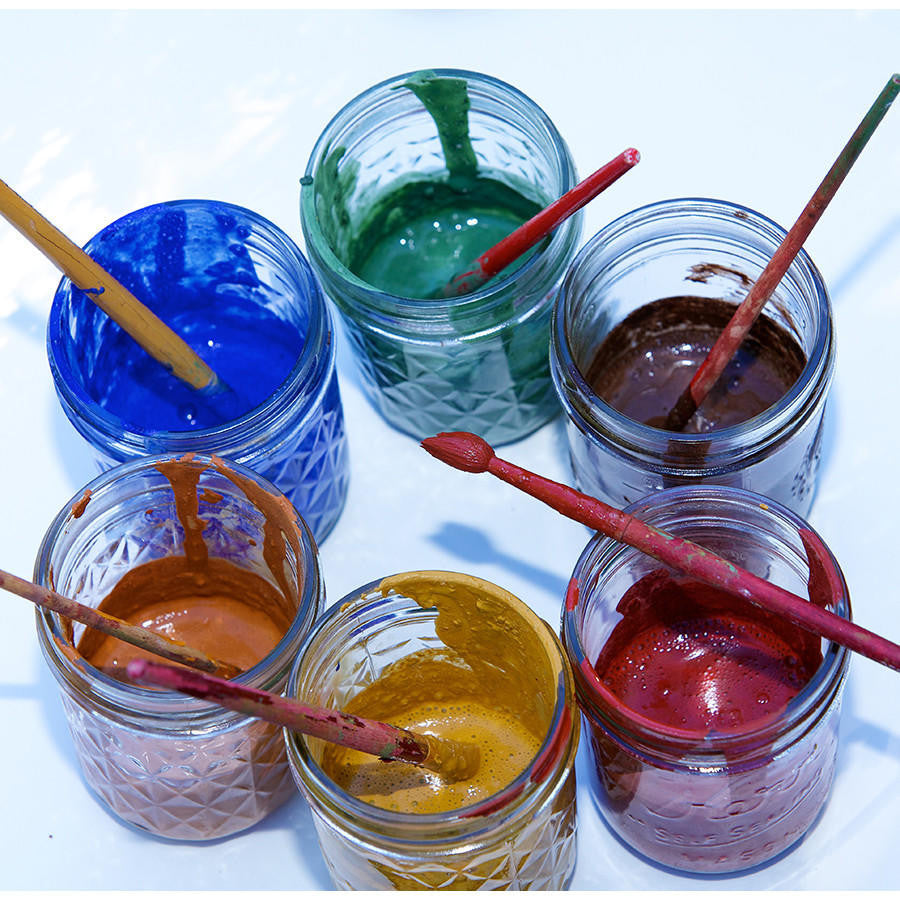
243 296
250 349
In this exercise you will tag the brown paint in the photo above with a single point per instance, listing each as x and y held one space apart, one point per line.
648 359
80 505
702 272
230 613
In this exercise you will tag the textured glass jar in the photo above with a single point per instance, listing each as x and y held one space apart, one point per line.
520 838
295 438
721 802
705 248
175 766
476 362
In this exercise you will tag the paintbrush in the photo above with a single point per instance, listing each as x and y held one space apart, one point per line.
452 760
114 627
113 298
470 453
747 313
498 257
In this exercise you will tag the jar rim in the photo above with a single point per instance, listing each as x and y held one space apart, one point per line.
506 804
768 425
152 704
378 301
601 552
235 436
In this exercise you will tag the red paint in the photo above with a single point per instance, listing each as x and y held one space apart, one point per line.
692 669
461 450
572 594
690 656
546 761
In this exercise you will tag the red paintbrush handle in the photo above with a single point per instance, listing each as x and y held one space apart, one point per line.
377 738
540 225
472 454
746 314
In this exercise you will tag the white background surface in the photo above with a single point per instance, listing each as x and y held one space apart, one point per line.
107 112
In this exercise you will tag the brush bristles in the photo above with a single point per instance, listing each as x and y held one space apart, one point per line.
460 449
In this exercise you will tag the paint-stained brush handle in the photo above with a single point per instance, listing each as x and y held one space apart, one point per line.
452 760
752 305
135 635
470 453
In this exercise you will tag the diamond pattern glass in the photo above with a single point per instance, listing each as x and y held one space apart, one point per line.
192 789
539 856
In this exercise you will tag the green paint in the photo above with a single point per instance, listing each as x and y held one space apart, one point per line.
414 239
334 185
447 102
415 235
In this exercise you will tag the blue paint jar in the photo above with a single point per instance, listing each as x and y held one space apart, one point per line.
240 292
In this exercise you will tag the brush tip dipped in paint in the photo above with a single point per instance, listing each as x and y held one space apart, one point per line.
460 449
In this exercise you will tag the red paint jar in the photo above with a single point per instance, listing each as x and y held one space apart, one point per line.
713 801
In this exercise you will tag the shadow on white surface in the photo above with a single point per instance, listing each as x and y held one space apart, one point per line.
871 254
475 546
75 455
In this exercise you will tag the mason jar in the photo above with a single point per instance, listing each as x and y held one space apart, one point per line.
204 266
475 362
523 837
709 249
172 765
716 800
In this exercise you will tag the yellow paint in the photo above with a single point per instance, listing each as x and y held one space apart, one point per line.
505 749
492 684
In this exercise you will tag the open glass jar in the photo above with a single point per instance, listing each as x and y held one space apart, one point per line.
476 362
708 249
177 767
713 801
521 837
235 286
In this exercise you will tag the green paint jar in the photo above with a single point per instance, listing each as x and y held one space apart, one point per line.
407 185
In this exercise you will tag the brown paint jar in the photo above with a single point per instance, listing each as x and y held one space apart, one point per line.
707 249
172 765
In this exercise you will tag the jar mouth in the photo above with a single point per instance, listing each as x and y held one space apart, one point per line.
230 437
369 607
693 745
486 297
596 415
147 706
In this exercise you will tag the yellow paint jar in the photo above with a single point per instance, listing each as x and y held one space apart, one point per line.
442 642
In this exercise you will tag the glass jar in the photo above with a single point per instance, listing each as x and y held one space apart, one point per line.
177 767
238 263
722 801
522 837
477 362
705 248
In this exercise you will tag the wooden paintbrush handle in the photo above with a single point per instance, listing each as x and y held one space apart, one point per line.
124 631
116 301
